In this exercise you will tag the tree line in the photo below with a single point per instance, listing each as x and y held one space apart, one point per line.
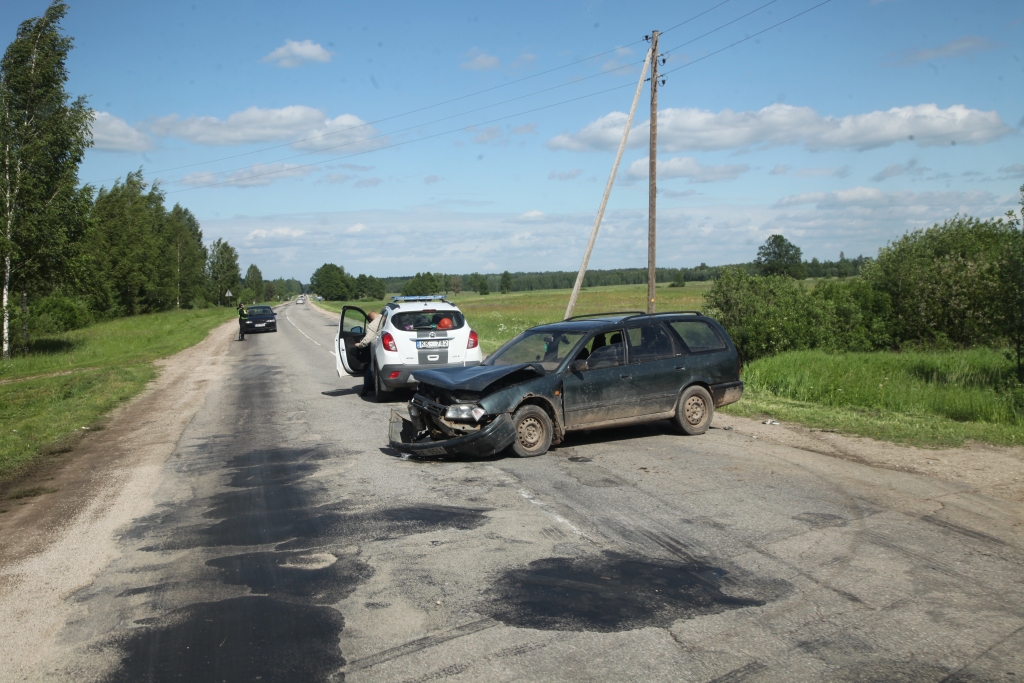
954 285
71 254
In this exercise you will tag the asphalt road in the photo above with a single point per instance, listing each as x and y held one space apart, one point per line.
288 543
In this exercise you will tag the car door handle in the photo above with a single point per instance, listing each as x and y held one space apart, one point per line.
680 367
625 377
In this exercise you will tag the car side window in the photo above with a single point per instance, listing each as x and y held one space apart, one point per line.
698 335
650 343
603 351
353 321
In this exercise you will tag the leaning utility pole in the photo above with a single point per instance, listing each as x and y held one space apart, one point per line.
607 191
652 190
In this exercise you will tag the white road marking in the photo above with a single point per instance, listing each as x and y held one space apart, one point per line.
555 516
300 330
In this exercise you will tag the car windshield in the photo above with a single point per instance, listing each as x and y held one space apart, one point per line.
260 310
537 346
428 320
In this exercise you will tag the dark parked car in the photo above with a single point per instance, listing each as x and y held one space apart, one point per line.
587 372
261 319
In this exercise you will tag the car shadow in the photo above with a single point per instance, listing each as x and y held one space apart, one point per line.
588 437
442 458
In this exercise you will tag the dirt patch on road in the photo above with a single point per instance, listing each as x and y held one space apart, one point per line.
995 471
51 545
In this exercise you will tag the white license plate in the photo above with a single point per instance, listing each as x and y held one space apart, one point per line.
261 324
433 344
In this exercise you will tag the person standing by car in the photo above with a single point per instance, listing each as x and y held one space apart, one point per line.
243 316
372 332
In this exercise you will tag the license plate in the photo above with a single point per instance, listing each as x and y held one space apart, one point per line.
261 324
433 344
432 451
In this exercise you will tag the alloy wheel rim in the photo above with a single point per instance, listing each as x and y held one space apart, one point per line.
695 410
530 432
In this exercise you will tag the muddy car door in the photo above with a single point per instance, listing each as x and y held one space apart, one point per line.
351 329
708 355
597 386
658 367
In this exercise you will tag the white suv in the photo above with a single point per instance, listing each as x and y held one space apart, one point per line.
418 332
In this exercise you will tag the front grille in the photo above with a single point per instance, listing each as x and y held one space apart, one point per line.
425 404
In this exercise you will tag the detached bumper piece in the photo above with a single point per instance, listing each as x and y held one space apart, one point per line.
494 438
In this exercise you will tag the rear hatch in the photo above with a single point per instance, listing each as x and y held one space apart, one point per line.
430 336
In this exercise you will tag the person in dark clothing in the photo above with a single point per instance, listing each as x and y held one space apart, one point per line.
243 315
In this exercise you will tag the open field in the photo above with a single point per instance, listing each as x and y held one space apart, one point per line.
499 317
924 398
71 380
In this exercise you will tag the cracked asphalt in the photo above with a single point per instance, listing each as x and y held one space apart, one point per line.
283 541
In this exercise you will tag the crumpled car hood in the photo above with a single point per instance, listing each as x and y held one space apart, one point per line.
473 378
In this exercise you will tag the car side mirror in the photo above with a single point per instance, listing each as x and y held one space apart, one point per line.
356 330
579 366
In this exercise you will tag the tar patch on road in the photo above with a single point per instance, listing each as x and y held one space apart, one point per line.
613 592
317 576
241 639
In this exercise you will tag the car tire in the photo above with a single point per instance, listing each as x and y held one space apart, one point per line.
694 411
381 393
533 431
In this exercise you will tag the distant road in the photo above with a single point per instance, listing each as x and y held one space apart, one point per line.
286 542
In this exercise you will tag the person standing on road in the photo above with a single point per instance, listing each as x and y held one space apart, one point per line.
372 332
243 315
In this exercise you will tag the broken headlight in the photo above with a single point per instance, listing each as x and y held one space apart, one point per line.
465 412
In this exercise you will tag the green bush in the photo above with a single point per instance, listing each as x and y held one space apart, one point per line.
56 314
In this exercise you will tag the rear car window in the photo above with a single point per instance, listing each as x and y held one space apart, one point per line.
428 320
699 336
649 343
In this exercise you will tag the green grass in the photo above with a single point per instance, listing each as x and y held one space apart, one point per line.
71 380
499 317
940 398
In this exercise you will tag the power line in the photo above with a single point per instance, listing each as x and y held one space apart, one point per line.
432 106
771 2
753 35
503 118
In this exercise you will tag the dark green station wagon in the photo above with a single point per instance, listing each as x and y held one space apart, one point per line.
588 372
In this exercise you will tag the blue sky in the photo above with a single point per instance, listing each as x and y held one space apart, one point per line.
285 127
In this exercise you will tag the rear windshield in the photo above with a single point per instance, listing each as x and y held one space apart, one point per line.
428 320
260 310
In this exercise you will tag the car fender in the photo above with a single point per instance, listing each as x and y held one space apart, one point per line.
544 391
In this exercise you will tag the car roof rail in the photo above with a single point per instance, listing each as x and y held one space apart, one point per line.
679 313
628 314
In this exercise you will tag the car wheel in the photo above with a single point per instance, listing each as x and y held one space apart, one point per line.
381 393
533 431
694 411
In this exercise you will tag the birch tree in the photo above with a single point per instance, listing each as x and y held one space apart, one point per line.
43 136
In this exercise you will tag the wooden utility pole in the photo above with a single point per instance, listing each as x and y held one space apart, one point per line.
652 201
607 191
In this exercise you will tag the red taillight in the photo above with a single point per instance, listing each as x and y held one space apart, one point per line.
474 341
394 375
389 342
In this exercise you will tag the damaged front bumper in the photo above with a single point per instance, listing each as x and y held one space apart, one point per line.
491 439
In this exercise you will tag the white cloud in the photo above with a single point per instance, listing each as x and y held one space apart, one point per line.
479 61
784 124
487 135
255 175
954 48
565 175
1013 170
431 179
687 167
357 228
525 129
780 169
910 168
345 132
294 53
942 203
532 215
525 59
276 232
112 133
368 182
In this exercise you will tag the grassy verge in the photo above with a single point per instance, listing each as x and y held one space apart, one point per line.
921 398
499 317
70 381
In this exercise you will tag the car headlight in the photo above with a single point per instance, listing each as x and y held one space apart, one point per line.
465 412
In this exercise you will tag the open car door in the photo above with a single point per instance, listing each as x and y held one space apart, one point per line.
351 329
